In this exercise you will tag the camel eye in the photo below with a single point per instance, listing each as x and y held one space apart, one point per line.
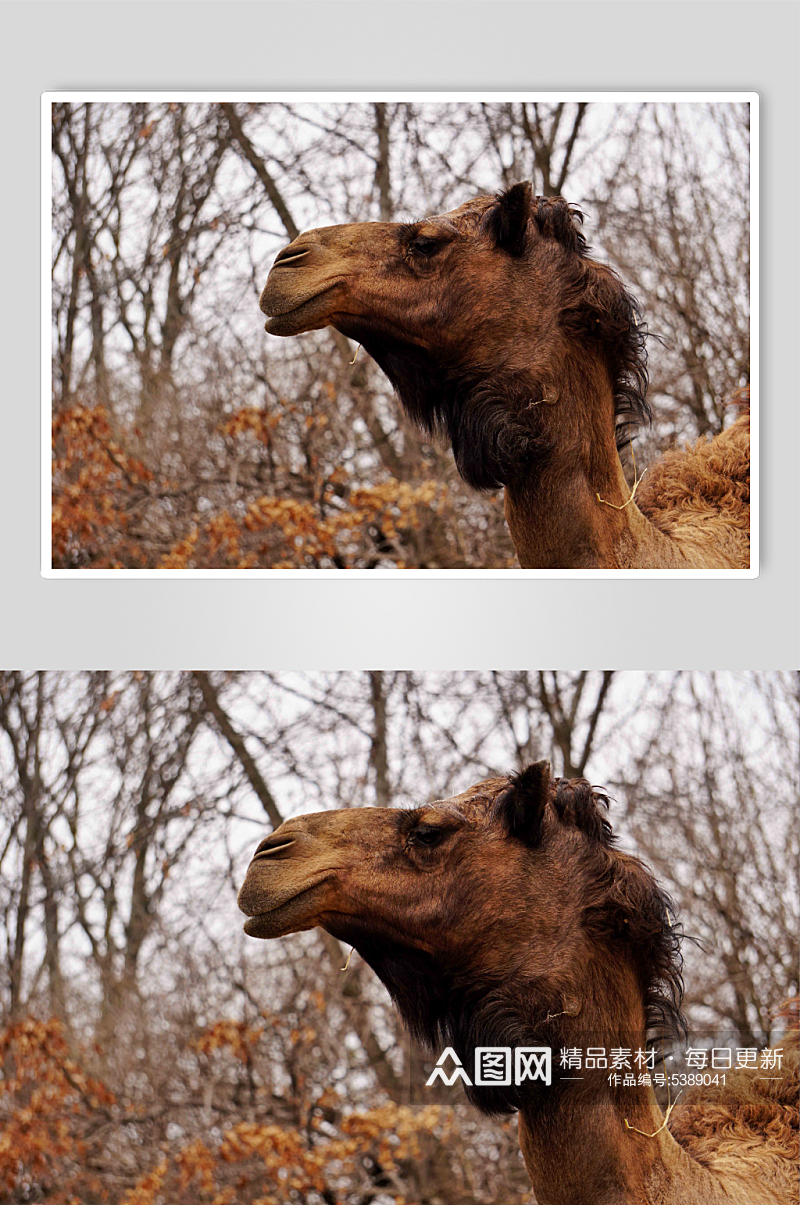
424 246
427 836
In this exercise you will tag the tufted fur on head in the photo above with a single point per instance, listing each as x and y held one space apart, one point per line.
620 899
597 308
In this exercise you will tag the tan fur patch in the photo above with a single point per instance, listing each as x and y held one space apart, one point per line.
748 1130
700 496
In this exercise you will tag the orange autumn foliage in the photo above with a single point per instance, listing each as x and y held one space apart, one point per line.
93 480
235 1036
63 1132
110 510
269 1164
48 1107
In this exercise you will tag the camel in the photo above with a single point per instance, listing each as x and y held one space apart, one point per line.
496 329
505 916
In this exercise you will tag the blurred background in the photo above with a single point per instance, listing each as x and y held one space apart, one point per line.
152 1053
185 437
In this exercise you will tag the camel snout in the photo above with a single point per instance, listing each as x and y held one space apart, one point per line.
298 293
289 840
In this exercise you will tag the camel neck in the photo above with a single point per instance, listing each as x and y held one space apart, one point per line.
596 1140
582 1153
558 520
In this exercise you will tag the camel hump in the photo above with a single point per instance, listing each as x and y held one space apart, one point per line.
755 1111
704 483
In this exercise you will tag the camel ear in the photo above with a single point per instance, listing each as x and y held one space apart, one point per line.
507 220
520 808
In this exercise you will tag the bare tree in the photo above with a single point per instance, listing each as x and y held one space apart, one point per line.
686 251
183 438
129 807
718 826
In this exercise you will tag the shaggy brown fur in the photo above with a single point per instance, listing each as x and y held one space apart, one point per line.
505 916
701 496
749 1130
498 330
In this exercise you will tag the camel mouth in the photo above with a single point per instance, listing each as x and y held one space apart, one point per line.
288 915
288 316
262 925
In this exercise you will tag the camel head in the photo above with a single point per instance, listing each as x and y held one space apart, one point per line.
478 317
496 917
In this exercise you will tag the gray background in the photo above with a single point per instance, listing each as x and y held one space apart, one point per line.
425 45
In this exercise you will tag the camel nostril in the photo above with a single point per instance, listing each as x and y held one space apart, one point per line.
289 254
271 845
